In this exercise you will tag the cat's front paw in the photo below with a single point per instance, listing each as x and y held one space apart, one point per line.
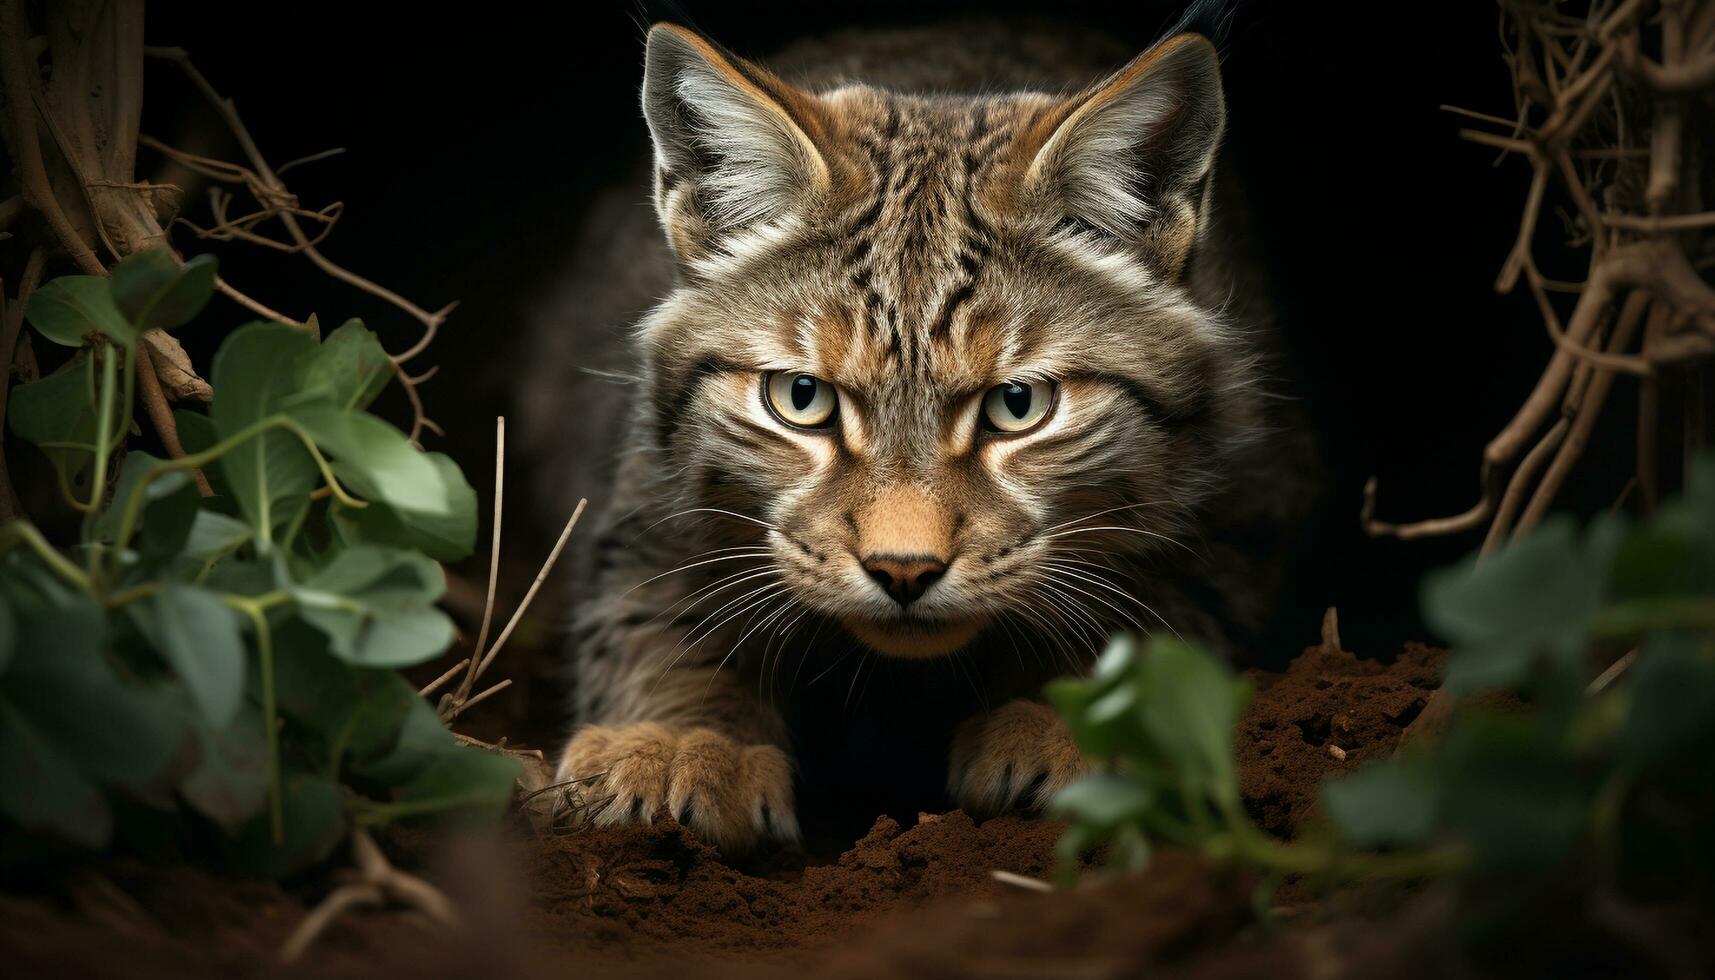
1013 758
731 795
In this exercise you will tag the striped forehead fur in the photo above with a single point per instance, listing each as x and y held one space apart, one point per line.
958 241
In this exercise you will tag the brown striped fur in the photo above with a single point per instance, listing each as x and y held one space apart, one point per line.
915 250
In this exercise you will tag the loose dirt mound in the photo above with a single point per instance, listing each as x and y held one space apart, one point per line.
1329 712
648 891
914 901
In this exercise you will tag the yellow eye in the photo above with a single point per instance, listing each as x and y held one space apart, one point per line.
803 400
1017 405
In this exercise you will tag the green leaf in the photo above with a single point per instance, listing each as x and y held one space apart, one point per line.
1069 852
464 781
419 737
245 577
196 430
199 636
436 775
378 719
1094 708
314 824
8 632
1190 703
350 367
66 309
1535 598
1674 554
314 689
1393 803
42 789
65 686
1104 801
448 537
1672 699
271 473
153 292
376 459
33 590
170 506
230 782
1512 791
213 533
58 414
359 713
376 607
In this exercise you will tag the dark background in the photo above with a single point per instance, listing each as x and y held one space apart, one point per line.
475 142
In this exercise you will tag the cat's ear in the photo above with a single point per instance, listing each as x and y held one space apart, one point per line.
1131 156
734 144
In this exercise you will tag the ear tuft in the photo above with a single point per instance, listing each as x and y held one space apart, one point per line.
731 147
1131 155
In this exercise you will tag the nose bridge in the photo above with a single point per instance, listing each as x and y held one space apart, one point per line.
904 521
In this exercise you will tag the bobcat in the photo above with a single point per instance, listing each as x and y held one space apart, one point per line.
973 379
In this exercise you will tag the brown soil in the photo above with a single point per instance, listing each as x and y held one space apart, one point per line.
916 901
1328 713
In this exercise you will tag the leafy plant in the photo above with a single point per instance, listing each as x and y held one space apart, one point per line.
1604 785
1584 770
233 655
1157 717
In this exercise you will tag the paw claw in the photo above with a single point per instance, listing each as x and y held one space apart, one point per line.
727 793
989 751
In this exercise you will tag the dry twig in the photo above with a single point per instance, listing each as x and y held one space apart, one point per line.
275 201
377 882
460 699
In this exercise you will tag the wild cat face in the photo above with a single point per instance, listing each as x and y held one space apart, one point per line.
936 354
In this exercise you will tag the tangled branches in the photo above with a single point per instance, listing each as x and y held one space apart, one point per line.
275 200
73 108
1610 107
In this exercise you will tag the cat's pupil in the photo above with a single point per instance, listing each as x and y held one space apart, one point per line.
803 391
1017 399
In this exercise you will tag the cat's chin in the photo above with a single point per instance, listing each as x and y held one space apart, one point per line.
915 638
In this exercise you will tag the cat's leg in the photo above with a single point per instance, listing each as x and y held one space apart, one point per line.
692 738
1016 757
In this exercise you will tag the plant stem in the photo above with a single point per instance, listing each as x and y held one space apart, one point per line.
193 461
258 614
1250 846
1643 615
103 448
128 596
25 532
128 388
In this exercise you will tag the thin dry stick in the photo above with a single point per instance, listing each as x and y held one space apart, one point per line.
530 595
478 699
451 709
378 881
493 557
278 202
1021 881
441 681
161 414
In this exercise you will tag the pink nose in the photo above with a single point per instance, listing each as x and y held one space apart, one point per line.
905 577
